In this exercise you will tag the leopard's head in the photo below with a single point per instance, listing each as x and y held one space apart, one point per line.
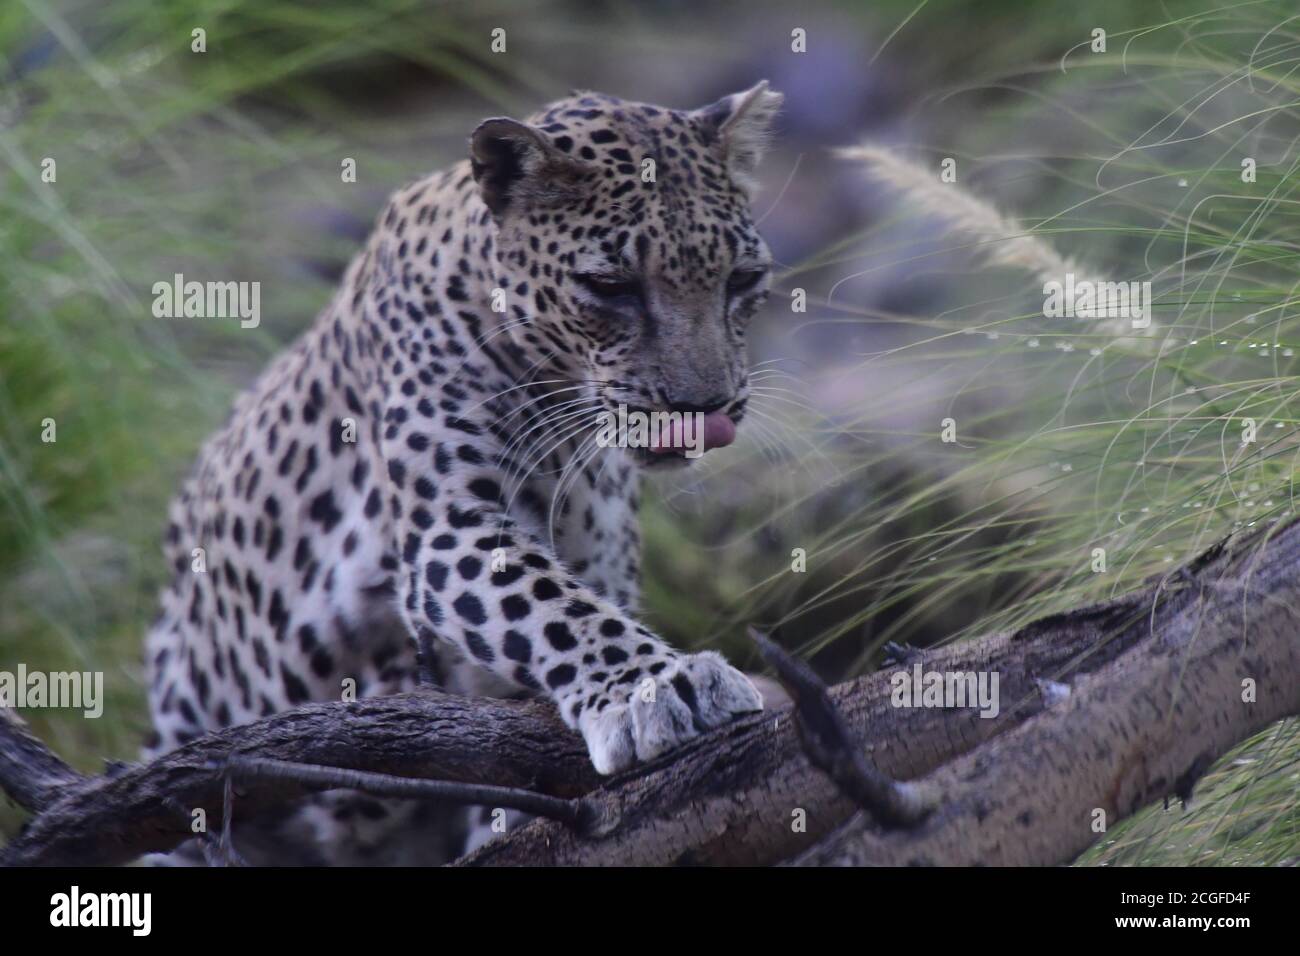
627 251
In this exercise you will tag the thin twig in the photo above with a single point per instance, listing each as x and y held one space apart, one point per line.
217 851
580 814
832 749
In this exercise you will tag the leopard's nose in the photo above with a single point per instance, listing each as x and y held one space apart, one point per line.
704 408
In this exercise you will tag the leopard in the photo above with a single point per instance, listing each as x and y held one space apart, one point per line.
412 493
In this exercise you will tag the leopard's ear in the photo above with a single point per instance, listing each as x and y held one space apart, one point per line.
741 126
517 167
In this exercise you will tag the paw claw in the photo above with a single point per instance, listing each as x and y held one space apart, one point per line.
609 738
700 692
660 724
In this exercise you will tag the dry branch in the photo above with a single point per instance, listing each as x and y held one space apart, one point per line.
139 809
1225 665
580 814
731 799
834 750
1155 694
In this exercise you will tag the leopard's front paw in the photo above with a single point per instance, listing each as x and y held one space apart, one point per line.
695 693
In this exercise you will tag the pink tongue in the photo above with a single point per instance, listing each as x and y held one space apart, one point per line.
719 432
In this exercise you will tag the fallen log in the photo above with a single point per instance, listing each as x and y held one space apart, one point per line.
1105 708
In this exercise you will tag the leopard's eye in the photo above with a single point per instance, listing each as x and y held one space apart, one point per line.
742 280
608 287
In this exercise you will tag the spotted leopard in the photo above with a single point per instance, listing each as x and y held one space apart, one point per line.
416 480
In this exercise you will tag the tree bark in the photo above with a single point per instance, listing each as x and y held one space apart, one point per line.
1220 665
117 817
1106 708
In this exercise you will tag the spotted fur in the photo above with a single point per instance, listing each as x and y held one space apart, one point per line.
474 516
